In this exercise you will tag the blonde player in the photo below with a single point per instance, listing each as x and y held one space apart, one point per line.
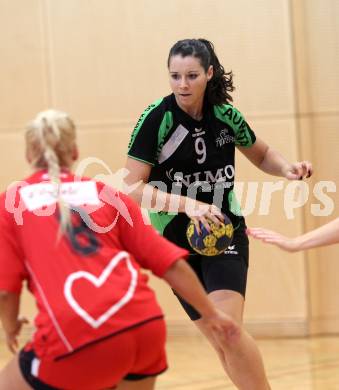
80 246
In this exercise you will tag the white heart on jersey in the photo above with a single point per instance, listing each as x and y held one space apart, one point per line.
98 282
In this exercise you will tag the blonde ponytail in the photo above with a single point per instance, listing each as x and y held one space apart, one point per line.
50 142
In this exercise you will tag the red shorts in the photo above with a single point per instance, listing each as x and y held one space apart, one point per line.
132 355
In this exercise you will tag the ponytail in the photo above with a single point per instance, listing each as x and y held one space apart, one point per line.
221 84
50 141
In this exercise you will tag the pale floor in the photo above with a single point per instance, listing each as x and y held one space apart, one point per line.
292 364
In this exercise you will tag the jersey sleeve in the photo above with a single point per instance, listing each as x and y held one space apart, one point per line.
143 144
148 247
12 268
243 134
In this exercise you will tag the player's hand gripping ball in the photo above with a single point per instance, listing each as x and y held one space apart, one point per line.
210 243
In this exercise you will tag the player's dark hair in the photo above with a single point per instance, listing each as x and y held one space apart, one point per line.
221 84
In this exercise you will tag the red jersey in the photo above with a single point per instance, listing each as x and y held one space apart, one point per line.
87 282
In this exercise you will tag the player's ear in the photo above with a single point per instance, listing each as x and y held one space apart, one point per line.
210 73
28 156
75 152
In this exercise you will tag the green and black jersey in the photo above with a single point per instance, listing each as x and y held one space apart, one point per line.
189 157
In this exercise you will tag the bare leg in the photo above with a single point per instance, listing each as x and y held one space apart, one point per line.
239 356
144 384
11 378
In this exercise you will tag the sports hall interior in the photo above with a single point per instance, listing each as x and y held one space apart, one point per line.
104 61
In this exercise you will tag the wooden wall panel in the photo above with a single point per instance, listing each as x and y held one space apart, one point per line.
23 79
321 33
105 61
316 36
276 281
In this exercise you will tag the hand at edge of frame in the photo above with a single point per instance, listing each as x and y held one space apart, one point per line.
12 336
274 238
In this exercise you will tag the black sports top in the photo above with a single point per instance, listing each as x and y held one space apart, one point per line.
191 158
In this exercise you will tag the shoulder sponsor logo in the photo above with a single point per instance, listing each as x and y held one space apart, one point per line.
224 138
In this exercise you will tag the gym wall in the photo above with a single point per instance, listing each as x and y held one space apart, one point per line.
104 61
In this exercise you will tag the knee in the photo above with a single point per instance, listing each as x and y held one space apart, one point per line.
231 337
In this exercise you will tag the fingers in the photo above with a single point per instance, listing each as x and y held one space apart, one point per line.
299 171
217 219
309 168
225 328
23 320
257 232
12 337
199 222
265 235
274 238
305 169
12 344
204 222
205 215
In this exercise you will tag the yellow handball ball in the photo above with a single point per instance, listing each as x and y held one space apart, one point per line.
210 243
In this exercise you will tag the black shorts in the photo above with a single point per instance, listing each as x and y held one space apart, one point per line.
227 271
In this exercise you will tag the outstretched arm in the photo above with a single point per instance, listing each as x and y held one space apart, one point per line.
165 260
135 185
185 282
327 234
273 163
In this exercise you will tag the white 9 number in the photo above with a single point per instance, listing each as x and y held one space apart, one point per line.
200 149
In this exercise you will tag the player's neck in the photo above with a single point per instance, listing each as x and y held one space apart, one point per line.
195 111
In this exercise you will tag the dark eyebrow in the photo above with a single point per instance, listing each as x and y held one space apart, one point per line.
190 71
